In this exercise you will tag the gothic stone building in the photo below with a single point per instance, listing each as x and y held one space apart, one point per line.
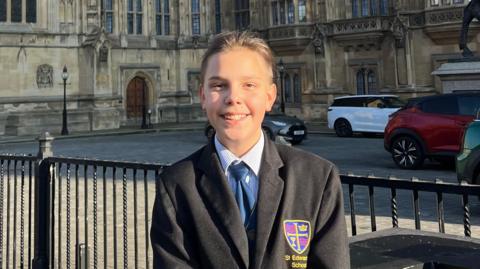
130 58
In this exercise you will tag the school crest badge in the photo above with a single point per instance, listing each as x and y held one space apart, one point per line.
297 233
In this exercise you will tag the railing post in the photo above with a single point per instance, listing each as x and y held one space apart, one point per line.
42 249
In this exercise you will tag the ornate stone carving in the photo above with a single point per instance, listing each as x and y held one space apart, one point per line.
318 37
362 25
45 76
103 53
399 30
443 16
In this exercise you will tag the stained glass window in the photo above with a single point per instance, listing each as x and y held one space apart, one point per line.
302 11
242 14
195 17
354 8
218 17
360 82
16 10
3 10
31 11
291 12
297 89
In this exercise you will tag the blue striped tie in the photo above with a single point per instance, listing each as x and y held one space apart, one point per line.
243 194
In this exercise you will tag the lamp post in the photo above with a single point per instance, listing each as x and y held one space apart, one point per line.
64 121
281 70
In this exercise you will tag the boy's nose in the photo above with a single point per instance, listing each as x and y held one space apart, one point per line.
233 96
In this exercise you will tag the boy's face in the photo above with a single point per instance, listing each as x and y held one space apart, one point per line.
236 93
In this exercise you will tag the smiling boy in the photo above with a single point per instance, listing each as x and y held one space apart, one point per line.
242 201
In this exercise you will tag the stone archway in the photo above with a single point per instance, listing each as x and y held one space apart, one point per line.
137 99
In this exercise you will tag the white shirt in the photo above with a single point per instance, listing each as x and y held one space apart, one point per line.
252 159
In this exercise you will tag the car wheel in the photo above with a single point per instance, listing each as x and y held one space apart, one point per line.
210 132
268 133
407 153
343 128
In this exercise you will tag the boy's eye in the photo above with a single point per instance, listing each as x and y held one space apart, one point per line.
216 86
250 85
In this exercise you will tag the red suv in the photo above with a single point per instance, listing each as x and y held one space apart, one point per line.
430 126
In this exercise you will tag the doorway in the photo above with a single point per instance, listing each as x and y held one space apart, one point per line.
136 99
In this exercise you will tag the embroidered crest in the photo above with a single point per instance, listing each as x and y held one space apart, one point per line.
297 233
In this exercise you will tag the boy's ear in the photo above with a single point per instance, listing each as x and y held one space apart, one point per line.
201 94
271 96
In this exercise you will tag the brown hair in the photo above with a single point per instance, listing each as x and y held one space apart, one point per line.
234 39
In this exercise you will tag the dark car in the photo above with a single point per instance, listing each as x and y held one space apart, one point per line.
429 127
468 160
292 129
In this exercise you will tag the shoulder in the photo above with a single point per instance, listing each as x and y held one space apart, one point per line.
181 170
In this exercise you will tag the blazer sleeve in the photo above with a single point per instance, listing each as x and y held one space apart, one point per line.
170 243
329 246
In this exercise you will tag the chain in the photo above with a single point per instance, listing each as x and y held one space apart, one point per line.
125 227
68 216
95 254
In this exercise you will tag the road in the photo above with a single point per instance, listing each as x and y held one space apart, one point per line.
357 155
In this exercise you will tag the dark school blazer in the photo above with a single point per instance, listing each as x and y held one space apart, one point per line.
196 222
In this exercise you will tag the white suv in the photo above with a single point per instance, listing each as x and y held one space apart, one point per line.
361 113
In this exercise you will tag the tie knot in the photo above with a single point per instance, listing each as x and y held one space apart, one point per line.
238 170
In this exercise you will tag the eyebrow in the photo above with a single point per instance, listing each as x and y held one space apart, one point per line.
220 78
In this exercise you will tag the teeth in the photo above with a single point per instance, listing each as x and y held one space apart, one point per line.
235 117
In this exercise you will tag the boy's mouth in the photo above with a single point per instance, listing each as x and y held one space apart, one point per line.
234 116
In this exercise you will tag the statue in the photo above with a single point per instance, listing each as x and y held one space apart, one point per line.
471 11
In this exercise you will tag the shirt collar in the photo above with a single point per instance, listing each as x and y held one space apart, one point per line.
252 158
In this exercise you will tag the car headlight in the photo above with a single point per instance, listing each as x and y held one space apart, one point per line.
279 123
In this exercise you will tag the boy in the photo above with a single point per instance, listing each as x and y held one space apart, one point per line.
241 201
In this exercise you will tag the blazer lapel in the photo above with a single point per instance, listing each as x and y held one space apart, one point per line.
214 185
269 198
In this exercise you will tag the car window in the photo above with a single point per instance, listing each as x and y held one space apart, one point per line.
468 105
351 102
441 105
374 102
393 102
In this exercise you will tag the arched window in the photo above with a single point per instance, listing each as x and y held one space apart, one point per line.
242 14
162 17
361 82
282 11
274 12
384 7
373 7
372 82
291 12
15 11
364 8
354 8
302 11
134 17
288 89
107 14
297 89
196 17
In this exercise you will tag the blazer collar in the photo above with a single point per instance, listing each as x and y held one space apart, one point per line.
219 196
270 194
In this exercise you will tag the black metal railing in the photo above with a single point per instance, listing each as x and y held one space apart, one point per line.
16 210
95 213
111 203
415 186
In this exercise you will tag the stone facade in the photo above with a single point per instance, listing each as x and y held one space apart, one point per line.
329 48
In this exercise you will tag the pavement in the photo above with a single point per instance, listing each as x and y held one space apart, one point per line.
314 127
